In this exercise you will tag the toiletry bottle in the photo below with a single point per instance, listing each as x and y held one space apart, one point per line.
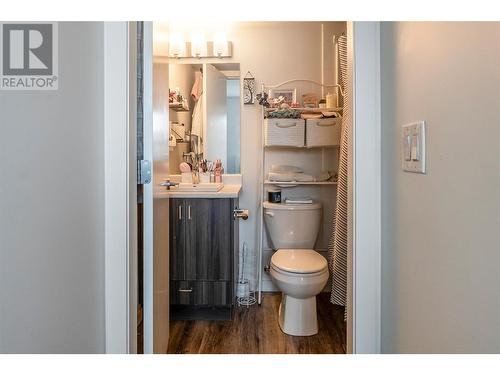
330 100
218 171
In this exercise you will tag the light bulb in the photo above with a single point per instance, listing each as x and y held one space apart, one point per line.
220 44
198 44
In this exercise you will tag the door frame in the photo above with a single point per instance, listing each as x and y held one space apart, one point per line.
364 300
120 195
364 287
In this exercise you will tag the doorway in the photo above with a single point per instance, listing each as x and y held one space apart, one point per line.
363 329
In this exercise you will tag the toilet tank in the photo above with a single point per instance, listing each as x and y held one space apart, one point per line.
292 226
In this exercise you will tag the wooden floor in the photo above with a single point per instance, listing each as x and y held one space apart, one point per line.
255 330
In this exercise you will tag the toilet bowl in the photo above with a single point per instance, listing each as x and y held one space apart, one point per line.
297 270
300 274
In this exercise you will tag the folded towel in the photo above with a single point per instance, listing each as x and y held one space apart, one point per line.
285 169
290 177
326 176
298 200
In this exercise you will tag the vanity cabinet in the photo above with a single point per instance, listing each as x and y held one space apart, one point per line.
203 257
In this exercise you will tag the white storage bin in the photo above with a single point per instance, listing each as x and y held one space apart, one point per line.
323 132
284 132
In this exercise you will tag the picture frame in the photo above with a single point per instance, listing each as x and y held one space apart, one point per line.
290 95
249 89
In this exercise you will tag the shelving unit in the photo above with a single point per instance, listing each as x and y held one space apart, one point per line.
298 183
264 183
299 148
308 109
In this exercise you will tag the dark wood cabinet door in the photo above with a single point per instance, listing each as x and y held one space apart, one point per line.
197 238
202 261
221 245
177 239
208 239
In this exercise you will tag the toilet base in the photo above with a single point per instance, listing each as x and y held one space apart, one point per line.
297 317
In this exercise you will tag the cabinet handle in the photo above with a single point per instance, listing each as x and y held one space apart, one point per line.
186 290
285 125
326 123
189 212
180 212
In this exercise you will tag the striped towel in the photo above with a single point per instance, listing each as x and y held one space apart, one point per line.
338 241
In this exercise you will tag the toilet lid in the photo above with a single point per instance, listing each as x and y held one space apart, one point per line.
299 260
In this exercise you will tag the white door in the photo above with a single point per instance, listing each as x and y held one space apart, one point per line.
215 114
156 207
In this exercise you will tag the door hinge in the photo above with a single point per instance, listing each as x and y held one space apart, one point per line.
143 172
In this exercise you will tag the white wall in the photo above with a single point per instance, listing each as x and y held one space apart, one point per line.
214 114
441 237
52 205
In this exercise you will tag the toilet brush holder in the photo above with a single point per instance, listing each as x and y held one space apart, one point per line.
244 296
243 288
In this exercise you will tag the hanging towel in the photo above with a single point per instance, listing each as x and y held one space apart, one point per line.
337 245
197 123
197 89
197 120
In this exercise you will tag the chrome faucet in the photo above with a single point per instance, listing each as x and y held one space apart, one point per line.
168 184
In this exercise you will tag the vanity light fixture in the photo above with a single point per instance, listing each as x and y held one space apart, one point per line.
198 46
176 45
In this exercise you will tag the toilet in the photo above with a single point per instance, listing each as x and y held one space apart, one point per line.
298 271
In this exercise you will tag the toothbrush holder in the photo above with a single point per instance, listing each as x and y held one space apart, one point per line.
204 176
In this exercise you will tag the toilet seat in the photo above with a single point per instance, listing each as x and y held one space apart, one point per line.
299 276
299 261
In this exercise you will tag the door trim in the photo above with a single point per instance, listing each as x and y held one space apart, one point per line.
120 217
365 297
148 281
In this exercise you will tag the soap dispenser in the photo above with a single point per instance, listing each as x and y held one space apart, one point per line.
218 171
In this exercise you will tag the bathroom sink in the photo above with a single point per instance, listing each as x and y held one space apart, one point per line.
204 186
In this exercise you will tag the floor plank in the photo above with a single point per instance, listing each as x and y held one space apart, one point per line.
256 330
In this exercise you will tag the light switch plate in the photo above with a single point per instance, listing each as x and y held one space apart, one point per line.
413 147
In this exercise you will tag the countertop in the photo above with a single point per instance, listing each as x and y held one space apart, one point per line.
228 191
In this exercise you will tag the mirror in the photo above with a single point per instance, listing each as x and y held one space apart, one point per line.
204 104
